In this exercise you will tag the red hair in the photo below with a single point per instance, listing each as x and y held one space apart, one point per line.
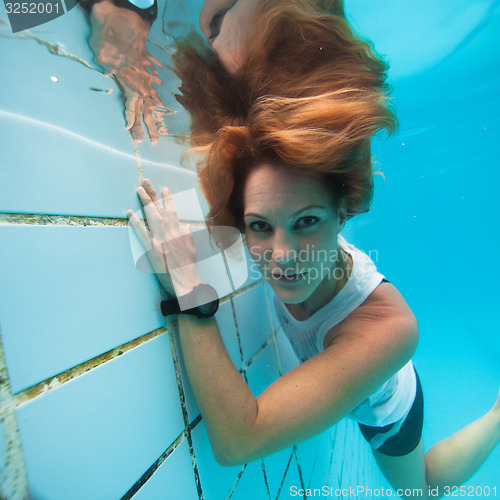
310 95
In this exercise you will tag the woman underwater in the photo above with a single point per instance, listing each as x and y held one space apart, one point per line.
284 128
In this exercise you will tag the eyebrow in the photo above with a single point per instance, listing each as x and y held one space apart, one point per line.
299 211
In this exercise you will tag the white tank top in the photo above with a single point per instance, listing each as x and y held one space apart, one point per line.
393 400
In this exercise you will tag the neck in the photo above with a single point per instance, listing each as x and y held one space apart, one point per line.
327 290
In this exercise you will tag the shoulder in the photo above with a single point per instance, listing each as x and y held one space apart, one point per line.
384 321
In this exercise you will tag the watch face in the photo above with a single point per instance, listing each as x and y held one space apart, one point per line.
207 300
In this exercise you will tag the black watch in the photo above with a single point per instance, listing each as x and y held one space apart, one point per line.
203 296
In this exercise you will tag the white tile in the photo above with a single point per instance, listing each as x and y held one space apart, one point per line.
345 440
309 453
67 150
61 173
180 182
68 103
173 480
2 452
322 472
288 358
216 481
252 315
96 435
276 465
68 295
263 371
292 483
252 484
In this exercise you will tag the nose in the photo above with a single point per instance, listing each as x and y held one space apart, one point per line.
284 248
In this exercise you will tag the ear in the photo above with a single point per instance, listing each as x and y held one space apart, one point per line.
342 214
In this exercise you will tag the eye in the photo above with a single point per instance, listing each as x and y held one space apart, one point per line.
259 226
215 24
216 21
306 222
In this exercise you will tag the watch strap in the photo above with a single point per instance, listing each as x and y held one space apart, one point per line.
171 306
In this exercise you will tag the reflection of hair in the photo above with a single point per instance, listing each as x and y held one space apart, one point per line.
310 95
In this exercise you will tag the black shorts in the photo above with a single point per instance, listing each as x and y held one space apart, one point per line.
402 437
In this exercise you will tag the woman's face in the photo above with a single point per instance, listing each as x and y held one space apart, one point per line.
226 25
291 227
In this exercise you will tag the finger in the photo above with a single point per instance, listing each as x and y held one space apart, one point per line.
163 130
136 130
168 202
150 121
140 230
153 216
150 190
144 196
130 105
155 61
148 197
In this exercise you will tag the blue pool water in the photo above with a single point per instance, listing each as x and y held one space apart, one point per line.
434 220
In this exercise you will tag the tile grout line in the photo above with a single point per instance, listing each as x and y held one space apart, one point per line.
238 477
60 220
14 480
284 476
159 461
247 365
266 482
238 338
185 415
72 373
155 466
275 332
332 454
138 159
299 468
315 461
69 220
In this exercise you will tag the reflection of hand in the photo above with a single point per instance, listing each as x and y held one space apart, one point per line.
170 250
118 40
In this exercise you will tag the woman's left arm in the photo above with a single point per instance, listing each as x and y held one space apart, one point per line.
363 352
366 351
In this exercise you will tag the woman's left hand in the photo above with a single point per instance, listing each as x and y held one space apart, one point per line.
170 250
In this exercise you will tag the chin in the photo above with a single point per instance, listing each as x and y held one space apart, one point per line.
290 296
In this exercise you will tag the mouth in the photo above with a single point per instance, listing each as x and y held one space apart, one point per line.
290 277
